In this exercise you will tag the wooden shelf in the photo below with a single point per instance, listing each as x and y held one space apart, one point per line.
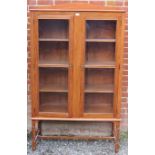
56 107
54 90
101 40
105 88
53 65
53 102
98 108
54 39
53 80
108 64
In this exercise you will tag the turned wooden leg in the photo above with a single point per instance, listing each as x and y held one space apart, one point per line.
117 136
33 135
39 128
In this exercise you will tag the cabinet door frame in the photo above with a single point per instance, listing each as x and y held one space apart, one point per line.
118 17
35 16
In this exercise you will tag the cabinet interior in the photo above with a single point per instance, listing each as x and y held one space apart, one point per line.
100 29
54 65
53 29
53 102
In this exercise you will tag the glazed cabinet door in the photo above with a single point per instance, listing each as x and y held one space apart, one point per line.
100 65
53 64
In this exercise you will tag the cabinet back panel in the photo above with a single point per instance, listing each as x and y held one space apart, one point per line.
50 52
100 29
51 28
53 78
53 102
98 103
98 77
99 52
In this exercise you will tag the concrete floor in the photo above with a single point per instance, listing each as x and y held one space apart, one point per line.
70 147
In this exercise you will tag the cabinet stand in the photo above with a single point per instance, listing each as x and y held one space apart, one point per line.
37 134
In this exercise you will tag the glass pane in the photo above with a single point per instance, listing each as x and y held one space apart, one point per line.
100 29
53 28
99 66
99 80
53 90
98 103
53 79
99 89
53 102
100 53
53 52
53 64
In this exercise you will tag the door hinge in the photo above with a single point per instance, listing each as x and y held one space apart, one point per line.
119 66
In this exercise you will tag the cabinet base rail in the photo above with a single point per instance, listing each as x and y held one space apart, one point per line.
76 119
37 134
75 137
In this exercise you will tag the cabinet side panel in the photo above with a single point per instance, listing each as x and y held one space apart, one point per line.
119 61
34 69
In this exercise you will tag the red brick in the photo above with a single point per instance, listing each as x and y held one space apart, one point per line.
28 14
124 125
28 48
115 3
124 115
125 55
125 89
126 15
125 105
125 66
28 26
98 2
124 99
125 61
126 50
125 119
126 39
125 94
31 2
126 26
125 83
126 21
126 3
44 2
77 1
125 78
124 111
125 72
125 8
126 33
126 44
28 60
62 1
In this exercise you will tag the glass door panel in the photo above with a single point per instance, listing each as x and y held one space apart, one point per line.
53 65
99 66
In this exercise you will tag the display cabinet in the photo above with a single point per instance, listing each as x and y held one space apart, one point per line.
76 66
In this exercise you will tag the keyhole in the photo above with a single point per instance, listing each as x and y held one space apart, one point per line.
77 14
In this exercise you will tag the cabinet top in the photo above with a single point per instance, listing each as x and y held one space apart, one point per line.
76 7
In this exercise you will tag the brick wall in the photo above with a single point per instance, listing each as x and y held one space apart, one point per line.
113 3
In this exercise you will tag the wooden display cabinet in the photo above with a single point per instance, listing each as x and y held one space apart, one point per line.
76 66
